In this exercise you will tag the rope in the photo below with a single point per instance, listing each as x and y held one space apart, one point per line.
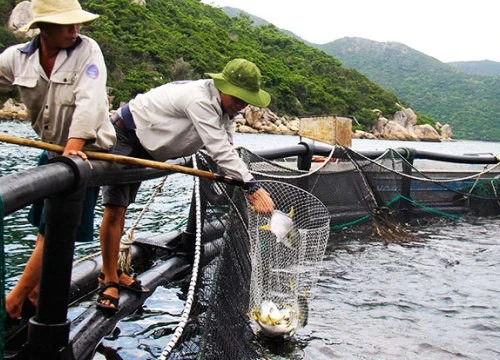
354 222
125 257
194 275
395 199
422 206
330 155
423 178
88 257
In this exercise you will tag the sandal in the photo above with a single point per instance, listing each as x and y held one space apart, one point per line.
134 286
113 301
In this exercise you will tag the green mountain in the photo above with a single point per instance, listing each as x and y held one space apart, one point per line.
145 46
257 21
470 103
483 67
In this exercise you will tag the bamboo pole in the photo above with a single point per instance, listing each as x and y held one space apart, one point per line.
124 160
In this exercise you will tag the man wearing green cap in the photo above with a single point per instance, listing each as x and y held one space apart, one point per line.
175 120
61 77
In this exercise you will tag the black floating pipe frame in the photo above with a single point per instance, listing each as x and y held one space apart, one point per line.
48 331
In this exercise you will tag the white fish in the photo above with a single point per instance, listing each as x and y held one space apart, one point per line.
281 225
276 321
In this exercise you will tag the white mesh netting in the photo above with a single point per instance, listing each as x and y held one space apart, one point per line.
287 248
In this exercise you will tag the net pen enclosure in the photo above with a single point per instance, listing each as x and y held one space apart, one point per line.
247 275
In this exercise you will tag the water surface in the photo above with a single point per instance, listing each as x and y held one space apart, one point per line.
435 298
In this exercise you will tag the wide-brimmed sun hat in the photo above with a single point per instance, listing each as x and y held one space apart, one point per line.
242 79
62 12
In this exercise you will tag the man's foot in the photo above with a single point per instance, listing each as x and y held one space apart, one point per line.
108 302
28 310
127 283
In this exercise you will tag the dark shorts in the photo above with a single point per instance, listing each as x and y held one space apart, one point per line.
85 232
127 144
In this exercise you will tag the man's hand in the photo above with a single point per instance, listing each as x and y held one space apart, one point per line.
261 201
74 147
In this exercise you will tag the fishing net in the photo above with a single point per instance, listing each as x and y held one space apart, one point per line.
244 266
483 196
218 326
386 193
286 250
349 188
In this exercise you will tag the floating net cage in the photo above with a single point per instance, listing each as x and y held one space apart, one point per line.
244 265
356 189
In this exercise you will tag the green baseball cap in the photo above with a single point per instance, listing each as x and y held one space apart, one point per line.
242 79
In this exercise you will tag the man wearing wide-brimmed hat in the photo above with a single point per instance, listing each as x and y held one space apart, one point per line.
178 119
61 77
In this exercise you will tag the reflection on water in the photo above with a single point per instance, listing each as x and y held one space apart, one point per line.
438 298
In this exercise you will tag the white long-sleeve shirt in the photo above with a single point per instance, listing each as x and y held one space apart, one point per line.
179 118
72 103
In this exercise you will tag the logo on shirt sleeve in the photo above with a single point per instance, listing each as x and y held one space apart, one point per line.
92 71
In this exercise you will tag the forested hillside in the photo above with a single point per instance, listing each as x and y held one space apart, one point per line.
470 103
145 46
483 67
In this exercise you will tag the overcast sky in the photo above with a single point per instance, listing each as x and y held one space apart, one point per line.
448 30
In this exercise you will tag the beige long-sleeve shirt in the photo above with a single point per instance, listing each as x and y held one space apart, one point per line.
72 103
179 118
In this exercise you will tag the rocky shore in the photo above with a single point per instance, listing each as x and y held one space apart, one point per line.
402 125
13 110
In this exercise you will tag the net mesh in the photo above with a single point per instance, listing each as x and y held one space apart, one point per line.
218 326
356 189
286 250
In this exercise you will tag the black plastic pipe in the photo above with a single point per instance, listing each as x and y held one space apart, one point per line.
48 331
23 188
323 150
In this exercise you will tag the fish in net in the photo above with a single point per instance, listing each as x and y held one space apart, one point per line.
286 251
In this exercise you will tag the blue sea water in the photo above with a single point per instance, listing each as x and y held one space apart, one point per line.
436 298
